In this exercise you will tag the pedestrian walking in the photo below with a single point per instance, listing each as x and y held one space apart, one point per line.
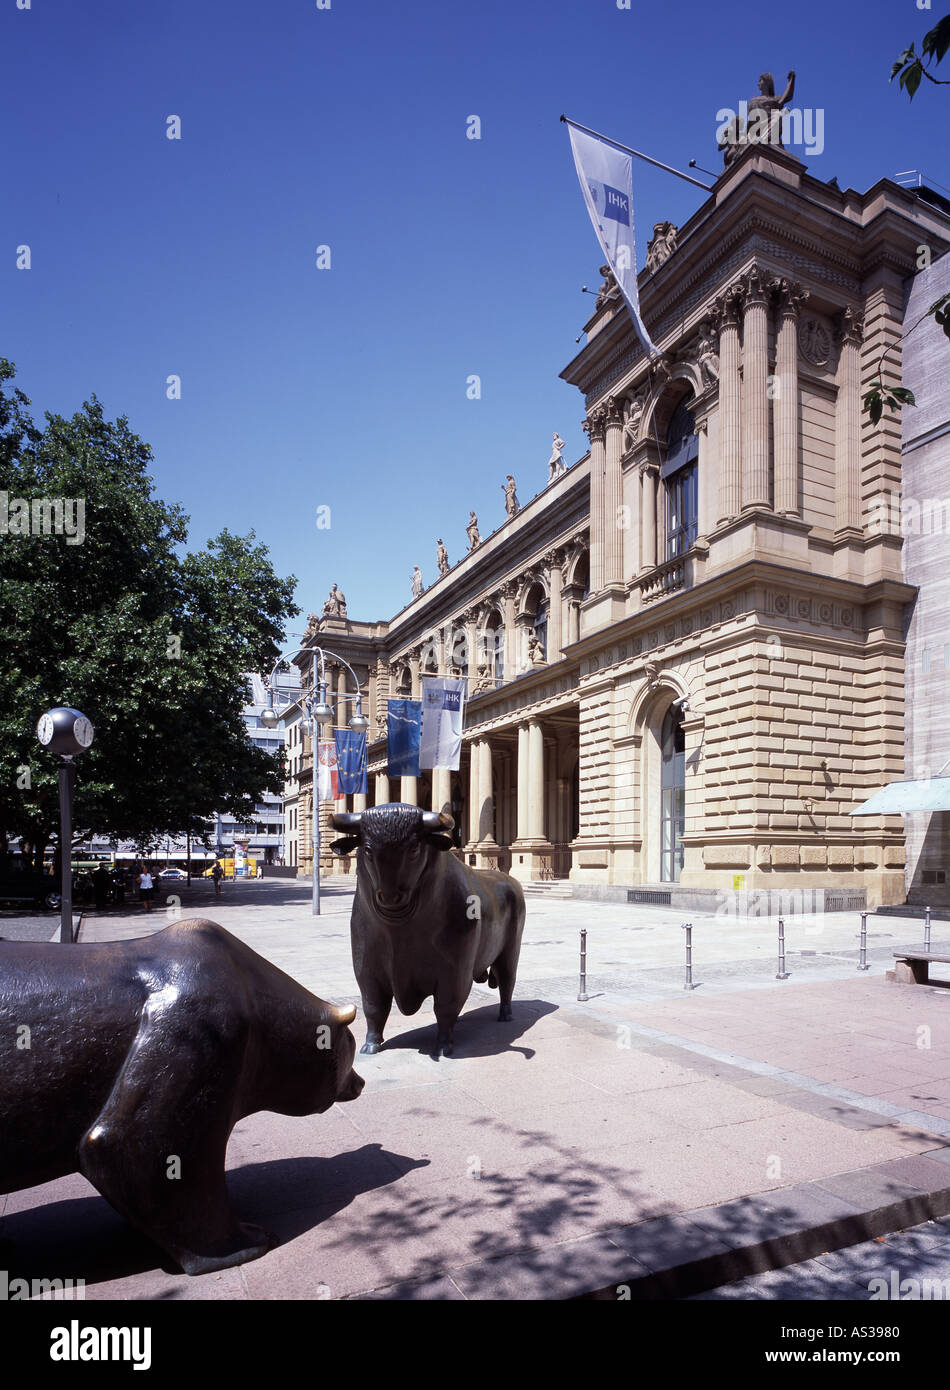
100 888
146 888
217 873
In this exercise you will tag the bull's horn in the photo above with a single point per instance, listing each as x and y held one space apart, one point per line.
437 820
346 820
344 1016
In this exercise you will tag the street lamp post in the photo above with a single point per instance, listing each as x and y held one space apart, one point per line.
316 709
67 732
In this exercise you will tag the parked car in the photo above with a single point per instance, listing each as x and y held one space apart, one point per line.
24 886
173 873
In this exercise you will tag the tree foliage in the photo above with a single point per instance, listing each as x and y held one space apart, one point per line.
148 641
913 66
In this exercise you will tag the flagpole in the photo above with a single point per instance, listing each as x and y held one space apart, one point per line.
627 150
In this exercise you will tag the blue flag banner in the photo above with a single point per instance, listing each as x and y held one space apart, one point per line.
351 761
403 730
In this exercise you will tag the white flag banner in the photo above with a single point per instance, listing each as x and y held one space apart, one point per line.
327 787
606 178
443 708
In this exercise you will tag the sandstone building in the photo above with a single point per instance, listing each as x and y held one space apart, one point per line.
686 654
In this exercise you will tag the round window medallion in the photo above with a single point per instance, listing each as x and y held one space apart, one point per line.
814 341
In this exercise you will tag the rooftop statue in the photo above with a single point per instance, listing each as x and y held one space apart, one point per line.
512 504
472 529
762 123
555 466
442 558
662 246
335 606
417 584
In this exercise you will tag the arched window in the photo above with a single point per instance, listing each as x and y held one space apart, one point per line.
679 473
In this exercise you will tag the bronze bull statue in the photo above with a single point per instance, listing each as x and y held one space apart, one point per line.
132 1061
423 923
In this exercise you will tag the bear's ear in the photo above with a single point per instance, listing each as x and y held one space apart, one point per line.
345 846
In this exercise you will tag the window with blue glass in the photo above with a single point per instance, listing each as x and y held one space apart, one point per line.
679 473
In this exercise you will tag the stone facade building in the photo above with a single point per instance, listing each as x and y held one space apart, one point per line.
686 654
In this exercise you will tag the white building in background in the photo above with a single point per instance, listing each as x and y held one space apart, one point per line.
262 834
923 515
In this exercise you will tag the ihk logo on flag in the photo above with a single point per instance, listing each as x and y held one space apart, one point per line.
616 205
452 699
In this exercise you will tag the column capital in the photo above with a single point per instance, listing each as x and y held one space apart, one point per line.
790 297
613 411
755 289
596 425
849 327
727 308
648 467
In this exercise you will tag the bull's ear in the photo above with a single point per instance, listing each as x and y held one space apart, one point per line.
345 846
439 841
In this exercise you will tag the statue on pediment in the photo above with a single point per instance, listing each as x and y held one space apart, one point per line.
758 122
335 605
661 248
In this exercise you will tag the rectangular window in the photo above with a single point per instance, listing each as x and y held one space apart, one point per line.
681 511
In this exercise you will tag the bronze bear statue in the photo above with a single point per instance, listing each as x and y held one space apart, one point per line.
132 1061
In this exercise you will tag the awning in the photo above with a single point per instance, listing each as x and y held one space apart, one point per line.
896 799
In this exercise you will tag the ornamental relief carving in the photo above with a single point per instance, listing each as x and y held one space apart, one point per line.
799 608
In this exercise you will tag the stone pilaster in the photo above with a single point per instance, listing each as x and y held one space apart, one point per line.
535 781
382 789
785 429
523 782
756 491
595 427
649 481
848 424
730 405
554 560
613 494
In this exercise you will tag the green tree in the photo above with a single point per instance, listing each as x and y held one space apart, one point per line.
913 67
148 641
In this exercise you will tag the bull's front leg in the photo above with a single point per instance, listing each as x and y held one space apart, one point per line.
448 1006
377 1003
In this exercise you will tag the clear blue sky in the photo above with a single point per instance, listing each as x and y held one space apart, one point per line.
347 127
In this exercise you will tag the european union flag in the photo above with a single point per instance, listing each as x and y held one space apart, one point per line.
403 729
351 761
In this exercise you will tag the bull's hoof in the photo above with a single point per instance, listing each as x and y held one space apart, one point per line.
444 1047
371 1045
504 1013
250 1243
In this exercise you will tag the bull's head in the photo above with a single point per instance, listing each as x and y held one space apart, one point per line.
396 843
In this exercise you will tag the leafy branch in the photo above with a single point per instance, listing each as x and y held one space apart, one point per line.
912 67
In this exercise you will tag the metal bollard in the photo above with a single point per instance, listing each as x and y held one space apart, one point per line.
782 972
863 954
582 987
926 928
687 927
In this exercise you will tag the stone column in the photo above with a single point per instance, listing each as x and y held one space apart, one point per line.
359 801
555 618
471 646
416 680
574 622
382 789
441 787
755 398
595 427
613 495
650 477
730 405
535 781
474 756
785 428
848 424
523 782
409 790
484 803
509 593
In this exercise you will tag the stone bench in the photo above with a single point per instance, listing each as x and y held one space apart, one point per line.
912 965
